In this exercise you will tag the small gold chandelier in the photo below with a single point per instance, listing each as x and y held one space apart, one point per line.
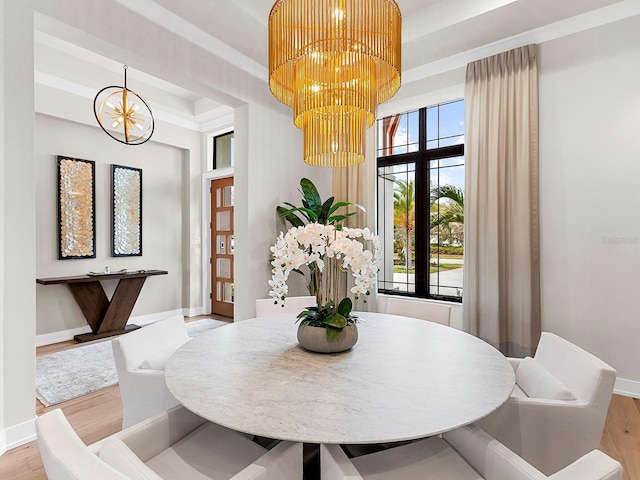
334 62
123 114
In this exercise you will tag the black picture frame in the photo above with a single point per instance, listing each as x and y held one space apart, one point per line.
126 211
76 208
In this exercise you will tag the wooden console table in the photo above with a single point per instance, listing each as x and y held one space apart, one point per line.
106 318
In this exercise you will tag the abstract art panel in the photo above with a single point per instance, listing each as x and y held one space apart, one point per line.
76 208
126 217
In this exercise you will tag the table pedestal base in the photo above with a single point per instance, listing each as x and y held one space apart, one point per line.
311 461
87 337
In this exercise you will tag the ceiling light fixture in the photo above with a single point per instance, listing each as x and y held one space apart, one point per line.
334 62
123 114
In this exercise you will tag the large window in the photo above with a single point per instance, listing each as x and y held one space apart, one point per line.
421 201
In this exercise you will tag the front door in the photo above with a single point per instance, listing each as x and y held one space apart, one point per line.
222 246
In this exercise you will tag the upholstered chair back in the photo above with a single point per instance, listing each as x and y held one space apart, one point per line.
174 444
64 454
467 453
140 357
265 306
153 343
431 311
589 378
559 405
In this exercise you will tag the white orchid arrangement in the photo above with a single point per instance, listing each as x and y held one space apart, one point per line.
331 249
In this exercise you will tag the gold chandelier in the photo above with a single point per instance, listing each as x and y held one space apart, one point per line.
334 62
123 114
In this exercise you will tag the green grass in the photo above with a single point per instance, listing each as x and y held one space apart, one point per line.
433 269
401 269
445 266
447 249
451 257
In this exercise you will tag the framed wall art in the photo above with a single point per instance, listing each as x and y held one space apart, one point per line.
76 208
126 211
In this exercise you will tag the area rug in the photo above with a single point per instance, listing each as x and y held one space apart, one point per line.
71 373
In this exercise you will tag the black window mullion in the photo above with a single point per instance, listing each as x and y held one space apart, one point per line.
422 159
422 126
214 153
445 152
422 227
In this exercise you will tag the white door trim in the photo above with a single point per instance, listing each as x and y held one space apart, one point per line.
206 231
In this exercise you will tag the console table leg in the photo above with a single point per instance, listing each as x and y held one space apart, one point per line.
92 300
121 305
88 337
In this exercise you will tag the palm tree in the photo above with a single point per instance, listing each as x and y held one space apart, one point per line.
404 216
447 208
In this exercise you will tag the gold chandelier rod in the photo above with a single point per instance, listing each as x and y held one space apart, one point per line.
334 62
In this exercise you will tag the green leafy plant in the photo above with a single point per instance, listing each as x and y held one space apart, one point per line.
313 209
334 320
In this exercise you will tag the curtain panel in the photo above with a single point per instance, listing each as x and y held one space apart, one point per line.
501 271
356 184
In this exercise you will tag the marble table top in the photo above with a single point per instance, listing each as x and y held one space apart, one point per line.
404 379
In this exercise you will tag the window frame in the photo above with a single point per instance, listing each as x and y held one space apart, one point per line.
214 153
422 159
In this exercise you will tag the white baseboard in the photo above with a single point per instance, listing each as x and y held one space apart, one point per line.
64 335
17 435
194 312
628 388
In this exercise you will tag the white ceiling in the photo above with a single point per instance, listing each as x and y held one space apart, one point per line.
195 60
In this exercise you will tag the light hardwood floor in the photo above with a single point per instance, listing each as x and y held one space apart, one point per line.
99 414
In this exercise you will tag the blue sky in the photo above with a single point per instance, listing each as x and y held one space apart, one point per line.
445 126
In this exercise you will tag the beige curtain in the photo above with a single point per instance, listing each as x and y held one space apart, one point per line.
357 185
501 270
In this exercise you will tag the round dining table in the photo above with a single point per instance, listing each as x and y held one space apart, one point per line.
404 379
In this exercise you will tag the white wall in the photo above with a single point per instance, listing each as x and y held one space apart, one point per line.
17 307
429 91
268 170
3 443
78 109
162 220
589 192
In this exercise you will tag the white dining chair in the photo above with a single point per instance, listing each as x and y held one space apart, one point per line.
265 306
433 312
140 357
467 453
173 445
559 405
64 454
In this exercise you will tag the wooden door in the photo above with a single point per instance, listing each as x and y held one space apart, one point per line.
222 247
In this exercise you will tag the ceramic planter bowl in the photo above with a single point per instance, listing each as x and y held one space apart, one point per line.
315 339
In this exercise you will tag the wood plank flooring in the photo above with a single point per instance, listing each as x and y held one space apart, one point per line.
99 414
621 436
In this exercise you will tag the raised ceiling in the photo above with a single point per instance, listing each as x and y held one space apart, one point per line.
195 60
